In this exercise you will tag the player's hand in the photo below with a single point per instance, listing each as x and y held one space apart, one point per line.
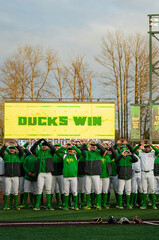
14 143
148 142
82 142
128 152
7 144
110 143
124 141
124 153
142 143
64 146
29 174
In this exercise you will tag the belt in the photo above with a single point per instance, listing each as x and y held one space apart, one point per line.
147 171
1 175
137 171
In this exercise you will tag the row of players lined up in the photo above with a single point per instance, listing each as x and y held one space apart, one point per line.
82 169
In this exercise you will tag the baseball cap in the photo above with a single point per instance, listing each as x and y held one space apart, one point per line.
69 148
58 144
123 149
12 147
147 146
92 143
79 146
44 144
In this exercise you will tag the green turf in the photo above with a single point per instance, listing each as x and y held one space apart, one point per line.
80 232
117 232
43 215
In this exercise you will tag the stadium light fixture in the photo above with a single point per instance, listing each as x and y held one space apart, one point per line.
153 22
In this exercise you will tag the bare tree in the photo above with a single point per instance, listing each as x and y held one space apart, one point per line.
79 79
57 84
26 74
126 63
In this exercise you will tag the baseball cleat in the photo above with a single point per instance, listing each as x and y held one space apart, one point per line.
6 208
154 207
36 209
17 208
121 207
50 209
65 209
143 207
76 209
87 208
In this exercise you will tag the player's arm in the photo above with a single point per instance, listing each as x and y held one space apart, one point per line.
27 152
155 149
20 149
53 149
3 149
78 151
60 152
114 152
130 147
33 148
25 165
83 149
135 149
134 158
118 158
101 148
26 145
116 147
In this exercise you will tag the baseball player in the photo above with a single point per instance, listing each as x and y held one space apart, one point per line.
22 172
124 165
156 174
93 172
106 171
44 167
113 179
30 183
70 169
136 184
121 143
57 176
81 177
147 170
2 172
12 171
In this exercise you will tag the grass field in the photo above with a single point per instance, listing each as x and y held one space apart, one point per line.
79 232
43 215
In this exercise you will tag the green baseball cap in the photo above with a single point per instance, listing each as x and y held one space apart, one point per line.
12 147
70 148
58 144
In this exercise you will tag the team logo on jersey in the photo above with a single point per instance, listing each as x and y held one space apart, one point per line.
68 160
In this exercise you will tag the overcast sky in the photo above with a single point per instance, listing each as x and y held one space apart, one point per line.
71 27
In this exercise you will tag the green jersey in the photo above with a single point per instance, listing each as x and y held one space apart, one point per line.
29 166
70 162
106 169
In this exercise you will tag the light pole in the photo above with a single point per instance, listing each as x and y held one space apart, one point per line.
153 21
